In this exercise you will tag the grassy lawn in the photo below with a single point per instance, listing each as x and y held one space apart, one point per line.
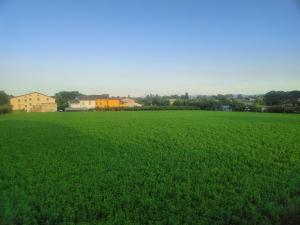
167 167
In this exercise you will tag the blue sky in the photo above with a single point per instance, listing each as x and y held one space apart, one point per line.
138 47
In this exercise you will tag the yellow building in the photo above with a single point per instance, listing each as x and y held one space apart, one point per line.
34 102
108 103
116 102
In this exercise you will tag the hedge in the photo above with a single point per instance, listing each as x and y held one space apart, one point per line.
282 109
5 109
149 108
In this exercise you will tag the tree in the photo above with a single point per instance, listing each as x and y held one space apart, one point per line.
293 97
281 97
274 97
186 96
5 106
4 98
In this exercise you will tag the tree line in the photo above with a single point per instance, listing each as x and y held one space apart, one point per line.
273 101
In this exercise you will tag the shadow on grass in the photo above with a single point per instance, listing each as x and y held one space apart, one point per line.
52 174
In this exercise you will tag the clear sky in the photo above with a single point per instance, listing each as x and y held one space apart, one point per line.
138 47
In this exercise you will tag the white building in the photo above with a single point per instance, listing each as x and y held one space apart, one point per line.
130 103
83 103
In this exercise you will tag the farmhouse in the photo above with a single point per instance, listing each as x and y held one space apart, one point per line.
83 103
34 102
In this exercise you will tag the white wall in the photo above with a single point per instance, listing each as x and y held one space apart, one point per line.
89 104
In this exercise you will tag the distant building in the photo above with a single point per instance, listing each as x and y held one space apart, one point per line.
171 101
116 103
83 103
128 102
108 103
34 102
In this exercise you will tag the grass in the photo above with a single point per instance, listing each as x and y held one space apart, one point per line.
168 167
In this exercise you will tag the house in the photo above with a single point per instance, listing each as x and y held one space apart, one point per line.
83 103
128 102
116 103
108 103
34 102
88 102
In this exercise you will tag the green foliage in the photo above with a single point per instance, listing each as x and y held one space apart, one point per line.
281 98
154 100
4 98
213 104
206 102
282 109
167 167
5 109
4 103
148 108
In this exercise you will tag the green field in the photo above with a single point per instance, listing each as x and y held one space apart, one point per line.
168 167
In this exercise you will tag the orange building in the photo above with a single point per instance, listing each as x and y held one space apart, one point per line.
115 103
108 103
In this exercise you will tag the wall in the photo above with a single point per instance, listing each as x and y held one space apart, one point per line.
28 101
108 103
111 103
88 104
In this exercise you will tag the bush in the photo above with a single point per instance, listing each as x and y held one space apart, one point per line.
149 108
282 109
274 109
5 109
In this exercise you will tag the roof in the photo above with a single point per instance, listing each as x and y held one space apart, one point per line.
33 93
92 97
116 98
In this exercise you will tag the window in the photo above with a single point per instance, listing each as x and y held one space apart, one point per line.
47 99
18 100
30 104
38 99
29 99
25 100
89 102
